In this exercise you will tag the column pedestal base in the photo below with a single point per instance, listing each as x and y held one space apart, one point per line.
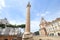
27 37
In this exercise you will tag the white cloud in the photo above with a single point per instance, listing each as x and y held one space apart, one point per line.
38 14
12 22
0 7
0 12
44 14
15 22
35 26
2 4
47 12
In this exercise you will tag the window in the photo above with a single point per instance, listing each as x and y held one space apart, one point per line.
52 34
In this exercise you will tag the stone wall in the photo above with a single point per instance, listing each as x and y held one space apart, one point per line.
46 37
9 37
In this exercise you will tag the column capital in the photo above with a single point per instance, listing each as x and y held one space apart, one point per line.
28 5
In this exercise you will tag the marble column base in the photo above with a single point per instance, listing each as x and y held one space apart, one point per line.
27 37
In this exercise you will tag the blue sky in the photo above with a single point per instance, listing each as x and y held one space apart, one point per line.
15 11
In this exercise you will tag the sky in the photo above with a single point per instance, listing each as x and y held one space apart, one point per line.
15 11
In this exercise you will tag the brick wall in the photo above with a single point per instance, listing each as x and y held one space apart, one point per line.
10 37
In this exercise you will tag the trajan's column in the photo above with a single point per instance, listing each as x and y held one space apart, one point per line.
27 28
27 34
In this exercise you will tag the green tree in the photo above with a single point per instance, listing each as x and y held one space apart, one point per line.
16 26
36 33
21 26
2 25
13 26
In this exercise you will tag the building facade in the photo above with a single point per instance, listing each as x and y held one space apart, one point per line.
4 21
50 28
42 25
9 33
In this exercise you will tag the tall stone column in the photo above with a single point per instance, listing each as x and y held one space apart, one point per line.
27 34
27 28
